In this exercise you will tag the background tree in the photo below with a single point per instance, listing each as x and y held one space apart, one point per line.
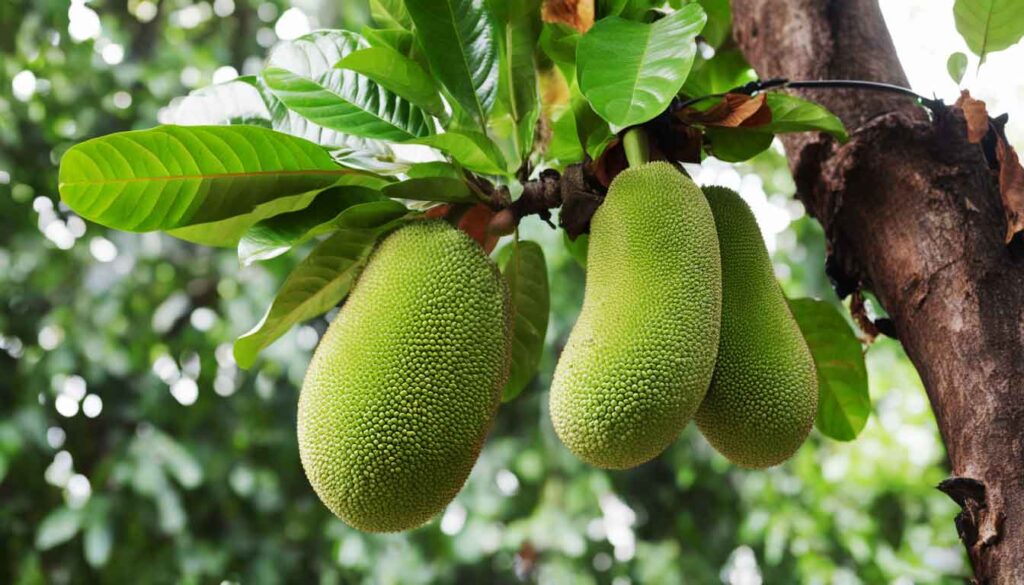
131 439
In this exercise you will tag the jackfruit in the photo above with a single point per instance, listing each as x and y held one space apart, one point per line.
403 388
764 394
641 355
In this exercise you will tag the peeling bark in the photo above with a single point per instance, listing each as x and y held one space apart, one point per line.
912 212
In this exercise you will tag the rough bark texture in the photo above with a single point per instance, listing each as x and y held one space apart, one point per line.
912 212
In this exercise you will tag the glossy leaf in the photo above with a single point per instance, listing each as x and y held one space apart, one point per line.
442 189
524 268
737 144
472 150
316 285
302 75
458 39
843 400
397 73
434 169
335 208
176 176
792 114
518 26
989 25
630 71
390 13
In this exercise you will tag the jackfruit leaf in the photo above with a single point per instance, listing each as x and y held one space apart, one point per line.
989 25
302 75
737 144
719 23
321 281
843 400
470 149
398 39
735 110
458 38
792 114
578 14
442 189
630 71
434 169
390 14
956 65
97 542
577 248
727 70
475 221
524 268
176 176
559 43
336 208
58 527
397 73
518 26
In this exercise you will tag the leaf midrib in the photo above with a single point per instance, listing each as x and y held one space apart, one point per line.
326 172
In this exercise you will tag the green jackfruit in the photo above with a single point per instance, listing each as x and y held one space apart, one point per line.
642 352
764 395
404 385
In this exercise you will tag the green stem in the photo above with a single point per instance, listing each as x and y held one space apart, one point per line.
638 150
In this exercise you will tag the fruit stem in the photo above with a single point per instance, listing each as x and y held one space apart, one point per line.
638 149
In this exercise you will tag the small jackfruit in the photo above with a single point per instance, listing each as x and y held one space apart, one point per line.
764 395
641 355
403 388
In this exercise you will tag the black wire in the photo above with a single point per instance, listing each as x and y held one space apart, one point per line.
779 83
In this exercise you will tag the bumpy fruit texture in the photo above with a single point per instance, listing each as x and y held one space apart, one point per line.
764 395
404 386
642 352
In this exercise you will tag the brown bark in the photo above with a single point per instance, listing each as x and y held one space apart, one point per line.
912 212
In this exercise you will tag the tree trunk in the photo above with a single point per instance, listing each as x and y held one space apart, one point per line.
912 212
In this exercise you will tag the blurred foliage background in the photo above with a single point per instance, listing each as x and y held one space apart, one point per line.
132 449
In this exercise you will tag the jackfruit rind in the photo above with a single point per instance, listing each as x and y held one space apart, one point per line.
641 355
404 385
764 395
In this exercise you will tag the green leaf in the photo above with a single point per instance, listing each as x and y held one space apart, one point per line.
518 26
728 69
559 43
390 13
316 285
737 144
956 65
398 39
397 73
176 176
989 25
458 39
792 114
719 21
58 527
577 248
434 169
302 75
443 189
524 268
97 543
843 400
472 150
335 208
630 71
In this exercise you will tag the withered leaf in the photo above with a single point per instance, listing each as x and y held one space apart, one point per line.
1011 187
475 221
976 115
579 14
736 110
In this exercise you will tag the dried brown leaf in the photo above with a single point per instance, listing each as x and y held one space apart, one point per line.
976 115
736 110
1011 187
579 14
475 221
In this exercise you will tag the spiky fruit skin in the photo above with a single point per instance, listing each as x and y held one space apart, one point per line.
641 355
403 388
764 395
